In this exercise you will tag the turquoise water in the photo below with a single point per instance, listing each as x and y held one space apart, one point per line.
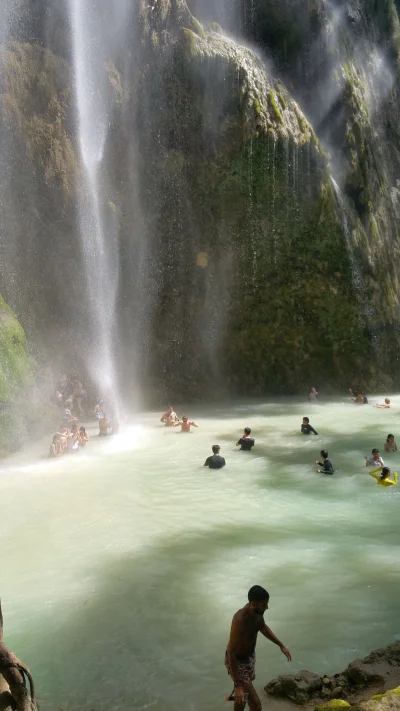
121 568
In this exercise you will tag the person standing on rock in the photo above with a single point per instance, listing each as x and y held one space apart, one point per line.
240 656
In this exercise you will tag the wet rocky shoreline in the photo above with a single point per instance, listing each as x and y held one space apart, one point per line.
364 680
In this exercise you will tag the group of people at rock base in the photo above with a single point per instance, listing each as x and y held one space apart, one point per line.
68 440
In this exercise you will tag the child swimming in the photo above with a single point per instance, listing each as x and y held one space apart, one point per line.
306 428
326 464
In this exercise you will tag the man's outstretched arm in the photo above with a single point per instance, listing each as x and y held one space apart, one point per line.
268 633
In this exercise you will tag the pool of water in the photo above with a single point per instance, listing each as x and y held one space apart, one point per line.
121 567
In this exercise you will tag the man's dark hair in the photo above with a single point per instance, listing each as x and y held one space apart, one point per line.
257 594
247 430
324 453
375 450
216 448
307 419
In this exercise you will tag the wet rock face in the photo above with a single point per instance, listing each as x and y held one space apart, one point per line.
299 688
226 165
362 674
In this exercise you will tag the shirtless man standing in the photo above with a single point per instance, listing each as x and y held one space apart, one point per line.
240 654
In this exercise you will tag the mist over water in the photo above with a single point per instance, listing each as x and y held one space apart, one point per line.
138 556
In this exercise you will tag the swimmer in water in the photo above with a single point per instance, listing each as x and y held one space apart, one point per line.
55 447
375 460
83 437
170 417
246 442
386 406
103 426
306 428
326 464
185 424
240 654
63 434
382 478
313 395
359 398
390 444
215 461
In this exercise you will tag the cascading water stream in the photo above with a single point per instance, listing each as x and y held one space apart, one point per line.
98 235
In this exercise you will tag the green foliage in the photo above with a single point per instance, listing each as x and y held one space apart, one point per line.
34 101
192 41
274 106
198 28
257 107
15 362
216 28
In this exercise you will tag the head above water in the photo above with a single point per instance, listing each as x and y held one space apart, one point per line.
306 420
375 451
82 429
387 400
324 453
258 599
390 438
247 431
385 473
184 419
216 448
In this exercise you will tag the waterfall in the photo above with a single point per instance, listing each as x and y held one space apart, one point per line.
98 229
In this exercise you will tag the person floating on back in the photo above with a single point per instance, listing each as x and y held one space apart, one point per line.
240 655
390 444
375 460
246 442
215 461
306 428
326 464
386 405
185 424
382 478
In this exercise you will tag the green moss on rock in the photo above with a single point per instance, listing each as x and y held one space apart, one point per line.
273 104
15 362
35 95
333 705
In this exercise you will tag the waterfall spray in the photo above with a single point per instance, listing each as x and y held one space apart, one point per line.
99 238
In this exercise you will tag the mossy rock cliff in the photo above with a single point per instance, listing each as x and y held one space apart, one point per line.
233 170
250 276
15 362
16 377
